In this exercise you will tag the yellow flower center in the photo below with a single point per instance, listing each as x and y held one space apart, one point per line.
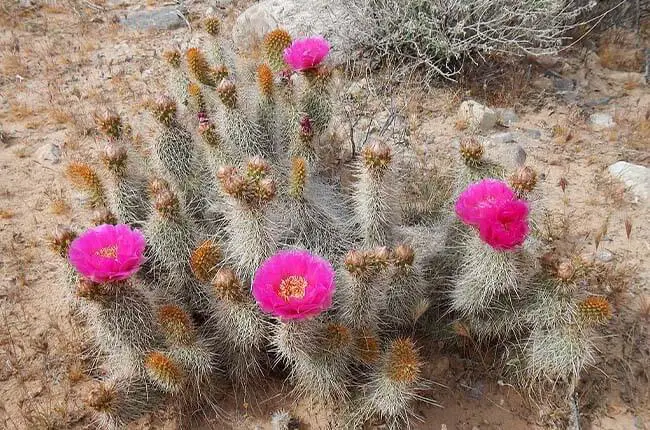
107 251
293 287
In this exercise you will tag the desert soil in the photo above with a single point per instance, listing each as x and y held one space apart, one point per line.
63 60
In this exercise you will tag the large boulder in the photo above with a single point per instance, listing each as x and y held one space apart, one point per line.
635 177
299 18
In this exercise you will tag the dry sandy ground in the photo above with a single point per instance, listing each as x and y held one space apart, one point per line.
61 62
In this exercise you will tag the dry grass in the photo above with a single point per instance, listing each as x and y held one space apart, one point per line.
561 133
20 111
6 214
59 115
13 65
618 50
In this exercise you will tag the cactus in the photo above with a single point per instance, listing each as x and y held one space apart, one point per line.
84 178
180 160
275 42
238 324
252 234
318 356
316 219
361 293
240 225
393 385
126 195
374 196
121 317
244 137
123 398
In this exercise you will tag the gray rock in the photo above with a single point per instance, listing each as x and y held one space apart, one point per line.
598 102
49 153
477 116
635 177
506 117
164 18
601 121
604 256
300 18
505 137
534 133
563 85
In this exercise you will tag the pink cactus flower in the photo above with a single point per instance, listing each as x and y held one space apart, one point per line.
294 285
108 252
307 53
505 227
476 201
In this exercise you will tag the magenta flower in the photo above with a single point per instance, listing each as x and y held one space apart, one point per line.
307 53
294 285
108 252
506 226
476 201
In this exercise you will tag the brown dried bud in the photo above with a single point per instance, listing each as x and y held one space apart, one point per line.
471 150
257 168
157 185
164 110
104 216
109 123
565 270
166 203
266 190
524 180
355 261
227 285
227 91
377 155
114 158
403 255
61 239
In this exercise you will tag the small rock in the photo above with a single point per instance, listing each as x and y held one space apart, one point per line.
24 4
477 116
440 367
506 117
604 256
635 177
600 121
49 153
534 133
563 85
598 102
505 137
164 18
443 427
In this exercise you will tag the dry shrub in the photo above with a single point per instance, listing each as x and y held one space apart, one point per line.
443 38
619 50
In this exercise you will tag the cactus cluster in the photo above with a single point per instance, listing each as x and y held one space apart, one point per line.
224 197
